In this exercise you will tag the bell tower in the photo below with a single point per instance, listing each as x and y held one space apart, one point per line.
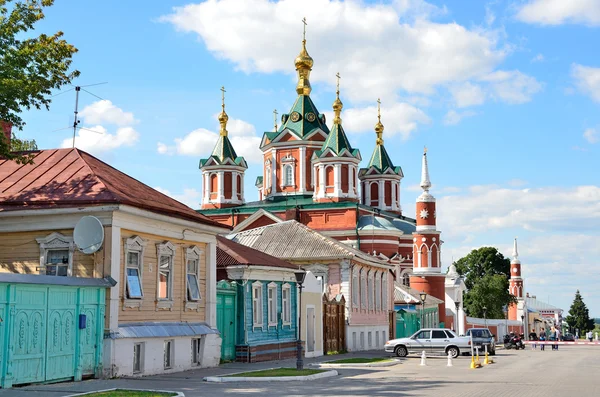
516 285
223 172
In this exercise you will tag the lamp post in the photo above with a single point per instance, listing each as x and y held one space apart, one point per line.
423 296
523 323
457 305
300 276
484 316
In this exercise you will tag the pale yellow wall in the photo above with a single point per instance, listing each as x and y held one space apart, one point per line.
20 253
310 298
148 310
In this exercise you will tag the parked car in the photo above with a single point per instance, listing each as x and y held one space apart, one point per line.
430 340
568 337
482 337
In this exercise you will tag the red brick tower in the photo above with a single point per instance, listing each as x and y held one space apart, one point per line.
516 284
427 275
223 172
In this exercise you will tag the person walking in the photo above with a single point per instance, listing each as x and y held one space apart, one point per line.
590 336
533 337
553 337
542 339
558 338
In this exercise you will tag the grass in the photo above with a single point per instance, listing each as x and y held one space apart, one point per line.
334 353
359 361
278 372
130 393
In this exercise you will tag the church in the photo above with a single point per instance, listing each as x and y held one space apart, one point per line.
313 175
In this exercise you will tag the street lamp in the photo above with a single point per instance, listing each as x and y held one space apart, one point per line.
300 276
457 305
523 323
484 316
423 296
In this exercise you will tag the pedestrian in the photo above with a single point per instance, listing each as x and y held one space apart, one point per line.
553 337
542 339
533 337
558 338
590 336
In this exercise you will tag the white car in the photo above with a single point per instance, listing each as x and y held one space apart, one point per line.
430 340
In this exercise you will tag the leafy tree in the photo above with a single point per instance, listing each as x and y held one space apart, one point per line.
29 67
579 316
486 273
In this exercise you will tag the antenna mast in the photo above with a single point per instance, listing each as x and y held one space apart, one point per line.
75 122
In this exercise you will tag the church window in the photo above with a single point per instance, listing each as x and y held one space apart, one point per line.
406 279
374 193
213 183
239 187
329 176
288 176
268 177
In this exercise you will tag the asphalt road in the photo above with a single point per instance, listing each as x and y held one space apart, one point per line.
570 371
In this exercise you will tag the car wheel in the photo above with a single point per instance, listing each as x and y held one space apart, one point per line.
401 351
454 352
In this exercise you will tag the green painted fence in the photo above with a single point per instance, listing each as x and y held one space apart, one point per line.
50 332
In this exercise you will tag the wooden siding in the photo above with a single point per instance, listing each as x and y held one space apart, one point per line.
20 253
247 333
148 310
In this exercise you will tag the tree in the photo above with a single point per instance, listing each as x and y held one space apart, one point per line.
486 273
29 67
579 316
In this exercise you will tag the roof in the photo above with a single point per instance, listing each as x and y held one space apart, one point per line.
381 161
293 240
223 151
370 222
533 303
13 278
230 253
161 330
71 177
400 291
337 141
302 126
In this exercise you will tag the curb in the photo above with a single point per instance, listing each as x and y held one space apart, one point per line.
223 379
87 393
345 365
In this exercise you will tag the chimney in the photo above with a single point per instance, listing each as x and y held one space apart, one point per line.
6 128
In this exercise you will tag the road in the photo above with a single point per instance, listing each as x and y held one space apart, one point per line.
570 371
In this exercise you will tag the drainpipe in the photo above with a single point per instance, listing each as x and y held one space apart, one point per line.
356 229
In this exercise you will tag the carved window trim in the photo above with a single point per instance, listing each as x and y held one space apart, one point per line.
257 304
166 249
54 242
286 304
138 245
272 306
355 288
192 253
288 162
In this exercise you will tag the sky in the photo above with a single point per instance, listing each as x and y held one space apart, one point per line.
504 94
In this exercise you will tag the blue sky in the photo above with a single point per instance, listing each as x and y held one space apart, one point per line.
505 94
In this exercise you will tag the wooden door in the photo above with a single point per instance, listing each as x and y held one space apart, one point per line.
226 323
61 333
310 329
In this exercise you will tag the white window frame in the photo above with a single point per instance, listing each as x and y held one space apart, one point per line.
166 249
288 161
196 351
371 290
272 304
257 302
384 292
363 288
171 354
267 176
134 244
377 291
55 242
141 346
355 288
192 253
286 304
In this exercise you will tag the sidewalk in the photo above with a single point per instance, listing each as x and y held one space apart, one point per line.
186 382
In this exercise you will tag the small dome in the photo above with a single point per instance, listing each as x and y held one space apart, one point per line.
223 117
379 127
337 104
303 60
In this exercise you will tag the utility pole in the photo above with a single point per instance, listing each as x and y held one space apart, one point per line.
75 121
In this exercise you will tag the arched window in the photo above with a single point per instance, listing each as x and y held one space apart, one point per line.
384 292
288 176
377 291
239 187
374 193
329 176
371 291
406 279
213 183
267 178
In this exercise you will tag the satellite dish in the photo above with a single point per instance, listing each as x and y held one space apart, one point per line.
88 234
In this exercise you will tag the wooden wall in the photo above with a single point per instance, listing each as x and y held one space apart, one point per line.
20 253
148 310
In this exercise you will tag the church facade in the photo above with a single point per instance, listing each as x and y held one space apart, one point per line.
313 175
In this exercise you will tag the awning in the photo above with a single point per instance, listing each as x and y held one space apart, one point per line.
161 330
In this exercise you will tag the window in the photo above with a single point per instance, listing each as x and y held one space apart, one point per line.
169 353
371 296
450 334
355 288
376 338
377 292
406 279
438 334
192 256
165 255
363 288
56 255
134 282
424 335
196 356
272 304
257 317
384 292
138 358
369 339
288 175
286 304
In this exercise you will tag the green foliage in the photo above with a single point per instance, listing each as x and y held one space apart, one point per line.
30 67
486 273
579 316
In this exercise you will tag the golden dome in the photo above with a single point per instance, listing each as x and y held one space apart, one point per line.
379 127
303 60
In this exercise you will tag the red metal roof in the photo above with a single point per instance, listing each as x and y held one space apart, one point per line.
230 253
71 177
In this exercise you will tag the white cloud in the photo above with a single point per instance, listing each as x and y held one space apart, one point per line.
189 197
397 118
538 58
101 141
592 135
453 117
512 86
467 94
557 12
104 111
201 142
380 48
587 80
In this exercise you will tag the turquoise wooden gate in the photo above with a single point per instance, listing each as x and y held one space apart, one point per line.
49 332
226 318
